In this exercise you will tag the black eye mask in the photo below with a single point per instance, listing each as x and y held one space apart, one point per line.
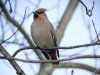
38 12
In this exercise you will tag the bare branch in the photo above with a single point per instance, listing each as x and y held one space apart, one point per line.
14 42
51 61
72 72
65 19
70 47
16 24
2 28
16 30
78 65
19 71
10 6
95 30
88 11
4 5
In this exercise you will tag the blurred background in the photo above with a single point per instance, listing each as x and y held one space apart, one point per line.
73 27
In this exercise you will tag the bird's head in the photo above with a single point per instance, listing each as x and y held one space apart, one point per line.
39 12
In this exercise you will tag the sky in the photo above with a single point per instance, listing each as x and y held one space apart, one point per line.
76 33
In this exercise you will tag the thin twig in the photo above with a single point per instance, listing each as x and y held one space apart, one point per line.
51 61
88 11
2 28
95 30
72 71
16 30
84 6
10 6
52 49
14 42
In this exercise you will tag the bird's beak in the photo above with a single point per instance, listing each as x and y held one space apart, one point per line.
35 13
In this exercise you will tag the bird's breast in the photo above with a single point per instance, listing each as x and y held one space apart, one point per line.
42 36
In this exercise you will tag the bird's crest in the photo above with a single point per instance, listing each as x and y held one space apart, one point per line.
41 10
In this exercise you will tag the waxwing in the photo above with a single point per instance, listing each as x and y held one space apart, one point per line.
43 35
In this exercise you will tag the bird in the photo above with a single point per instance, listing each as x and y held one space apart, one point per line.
44 35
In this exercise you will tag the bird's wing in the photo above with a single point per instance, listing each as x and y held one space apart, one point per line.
53 34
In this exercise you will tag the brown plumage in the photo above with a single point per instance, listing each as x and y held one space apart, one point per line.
43 34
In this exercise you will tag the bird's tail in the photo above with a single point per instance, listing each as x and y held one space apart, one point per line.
53 56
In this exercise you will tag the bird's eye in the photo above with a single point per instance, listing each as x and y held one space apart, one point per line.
39 12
